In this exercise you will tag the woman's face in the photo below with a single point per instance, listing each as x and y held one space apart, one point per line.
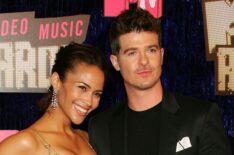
80 92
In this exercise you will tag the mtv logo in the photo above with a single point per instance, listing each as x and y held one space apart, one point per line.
113 8
219 24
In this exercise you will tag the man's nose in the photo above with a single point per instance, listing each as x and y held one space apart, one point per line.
143 58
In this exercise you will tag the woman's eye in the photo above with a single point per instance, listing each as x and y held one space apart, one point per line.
99 95
83 88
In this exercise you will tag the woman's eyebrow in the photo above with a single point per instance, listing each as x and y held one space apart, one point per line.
84 84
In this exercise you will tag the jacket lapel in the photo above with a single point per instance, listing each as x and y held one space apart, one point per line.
168 131
169 125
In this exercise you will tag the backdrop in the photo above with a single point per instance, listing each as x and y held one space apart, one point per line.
185 70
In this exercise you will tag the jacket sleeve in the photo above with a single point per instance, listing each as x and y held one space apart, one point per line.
213 138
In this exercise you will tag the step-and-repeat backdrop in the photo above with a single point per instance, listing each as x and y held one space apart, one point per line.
198 37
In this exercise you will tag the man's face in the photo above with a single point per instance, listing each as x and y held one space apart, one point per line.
139 60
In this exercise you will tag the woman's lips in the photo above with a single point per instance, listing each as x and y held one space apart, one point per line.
82 110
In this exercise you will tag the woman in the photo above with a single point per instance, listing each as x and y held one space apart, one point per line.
76 87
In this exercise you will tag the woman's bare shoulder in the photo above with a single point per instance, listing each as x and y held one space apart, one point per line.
23 143
85 137
83 134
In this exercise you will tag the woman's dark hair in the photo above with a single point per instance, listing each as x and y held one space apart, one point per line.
66 60
132 20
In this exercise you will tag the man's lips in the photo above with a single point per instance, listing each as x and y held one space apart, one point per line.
144 73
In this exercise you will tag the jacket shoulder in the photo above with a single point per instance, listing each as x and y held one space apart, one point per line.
106 116
194 104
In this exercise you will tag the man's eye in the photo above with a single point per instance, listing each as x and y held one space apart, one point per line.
153 50
130 53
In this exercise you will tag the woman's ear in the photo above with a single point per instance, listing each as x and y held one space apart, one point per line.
55 80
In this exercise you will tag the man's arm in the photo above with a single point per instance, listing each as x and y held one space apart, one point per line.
213 139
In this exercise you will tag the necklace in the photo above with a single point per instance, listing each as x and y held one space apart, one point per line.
51 150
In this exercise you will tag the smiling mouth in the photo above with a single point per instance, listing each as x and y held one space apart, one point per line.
81 110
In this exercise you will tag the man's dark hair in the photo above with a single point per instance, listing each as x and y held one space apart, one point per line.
132 20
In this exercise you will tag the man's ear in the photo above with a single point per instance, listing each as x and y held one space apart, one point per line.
114 61
55 80
162 54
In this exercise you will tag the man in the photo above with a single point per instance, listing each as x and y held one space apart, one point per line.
152 121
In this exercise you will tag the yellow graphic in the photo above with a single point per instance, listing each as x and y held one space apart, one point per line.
219 35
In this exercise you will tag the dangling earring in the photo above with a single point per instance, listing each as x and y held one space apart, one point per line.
54 100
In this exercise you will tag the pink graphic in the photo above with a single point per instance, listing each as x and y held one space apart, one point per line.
114 7
61 29
13 27
5 133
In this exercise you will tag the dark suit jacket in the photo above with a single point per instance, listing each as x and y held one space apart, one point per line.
181 117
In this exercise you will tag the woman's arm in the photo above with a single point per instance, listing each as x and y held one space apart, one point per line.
22 143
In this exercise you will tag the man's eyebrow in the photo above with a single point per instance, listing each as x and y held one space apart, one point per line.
156 46
129 49
134 48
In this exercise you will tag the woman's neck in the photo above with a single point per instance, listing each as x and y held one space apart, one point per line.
54 120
